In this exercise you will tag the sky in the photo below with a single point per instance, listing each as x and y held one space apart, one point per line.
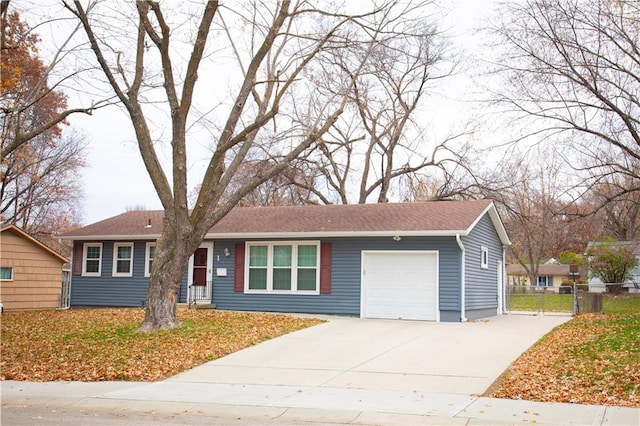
115 179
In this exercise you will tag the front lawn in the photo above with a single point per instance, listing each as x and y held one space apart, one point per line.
592 359
102 344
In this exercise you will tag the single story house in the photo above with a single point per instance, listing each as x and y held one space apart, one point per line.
30 272
550 275
437 261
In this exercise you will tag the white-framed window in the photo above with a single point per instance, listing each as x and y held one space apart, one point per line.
122 259
92 259
6 273
283 267
484 257
150 253
544 281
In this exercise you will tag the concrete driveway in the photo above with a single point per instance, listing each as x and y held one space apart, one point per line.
414 356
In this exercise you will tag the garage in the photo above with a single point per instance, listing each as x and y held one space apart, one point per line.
400 285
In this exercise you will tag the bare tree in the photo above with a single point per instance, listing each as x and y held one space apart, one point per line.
531 194
378 141
39 179
283 189
276 111
615 207
455 182
573 69
40 188
32 103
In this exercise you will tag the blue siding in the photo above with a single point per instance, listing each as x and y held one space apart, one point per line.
343 299
481 293
345 277
481 284
107 290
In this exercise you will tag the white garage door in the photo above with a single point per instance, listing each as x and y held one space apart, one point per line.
400 285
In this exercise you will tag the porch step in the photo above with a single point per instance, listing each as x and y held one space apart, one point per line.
204 305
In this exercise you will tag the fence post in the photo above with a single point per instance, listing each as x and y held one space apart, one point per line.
573 270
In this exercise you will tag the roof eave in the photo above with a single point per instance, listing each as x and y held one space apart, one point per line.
110 237
334 234
262 235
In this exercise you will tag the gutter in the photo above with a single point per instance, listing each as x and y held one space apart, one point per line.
462 279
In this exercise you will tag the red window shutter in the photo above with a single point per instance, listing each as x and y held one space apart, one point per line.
325 268
77 258
238 276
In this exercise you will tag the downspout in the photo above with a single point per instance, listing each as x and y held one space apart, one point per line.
462 279
503 290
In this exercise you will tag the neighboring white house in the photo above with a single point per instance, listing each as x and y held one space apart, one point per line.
551 275
596 285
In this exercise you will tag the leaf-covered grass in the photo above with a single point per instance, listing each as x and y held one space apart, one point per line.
592 359
102 344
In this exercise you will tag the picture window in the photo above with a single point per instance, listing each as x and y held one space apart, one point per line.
283 267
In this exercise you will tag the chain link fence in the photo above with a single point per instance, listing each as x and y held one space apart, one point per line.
551 300
539 299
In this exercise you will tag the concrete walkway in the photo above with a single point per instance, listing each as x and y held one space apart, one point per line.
347 371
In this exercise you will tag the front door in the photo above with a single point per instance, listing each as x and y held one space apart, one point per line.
200 267
199 277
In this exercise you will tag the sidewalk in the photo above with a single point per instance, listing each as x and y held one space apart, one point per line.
290 404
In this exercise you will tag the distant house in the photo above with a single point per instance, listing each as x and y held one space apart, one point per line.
437 261
30 272
550 275
633 284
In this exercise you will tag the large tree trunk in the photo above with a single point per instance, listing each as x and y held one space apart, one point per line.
162 298
170 264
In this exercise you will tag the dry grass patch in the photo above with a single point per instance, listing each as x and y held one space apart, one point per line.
102 344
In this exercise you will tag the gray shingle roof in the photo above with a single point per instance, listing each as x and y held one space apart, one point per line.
428 218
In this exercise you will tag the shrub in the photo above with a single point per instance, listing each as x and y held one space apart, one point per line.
612 263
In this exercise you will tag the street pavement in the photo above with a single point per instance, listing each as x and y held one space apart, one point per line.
344 371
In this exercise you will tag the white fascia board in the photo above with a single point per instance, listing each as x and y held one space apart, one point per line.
278 235
110 237
497 223
320 234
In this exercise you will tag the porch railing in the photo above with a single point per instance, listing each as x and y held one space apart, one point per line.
199 293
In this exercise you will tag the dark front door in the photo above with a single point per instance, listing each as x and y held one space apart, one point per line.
200 267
